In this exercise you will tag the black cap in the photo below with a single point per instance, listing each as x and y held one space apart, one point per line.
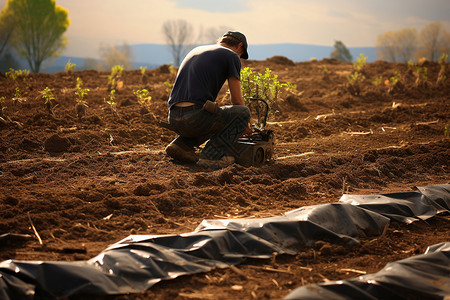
241 38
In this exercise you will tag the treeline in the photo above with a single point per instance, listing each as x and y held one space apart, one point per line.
408 44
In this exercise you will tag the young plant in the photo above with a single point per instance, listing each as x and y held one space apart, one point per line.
442 76
377 81
265 86
14 74
168 85
111 101
325 74
354 83
17 96
143 75
69 67
447 130
393 82
143 97
411 66
114 79
360 63
49 99
81 105
421 76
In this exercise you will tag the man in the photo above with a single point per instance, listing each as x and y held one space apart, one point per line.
200 78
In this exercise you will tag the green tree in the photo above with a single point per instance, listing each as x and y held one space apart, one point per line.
7 60
39 28
6 30
341 52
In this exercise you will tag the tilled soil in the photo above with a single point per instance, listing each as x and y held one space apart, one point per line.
87 182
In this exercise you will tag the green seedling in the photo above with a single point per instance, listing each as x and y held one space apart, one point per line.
80 93
325 74
168 85
69 67
377 81
143 97
393 80
17 96
265 86
173 70
443 63
114 79
447 130
47 95
354 81
422 76
111 101
14 74
360 63
144 79
48 98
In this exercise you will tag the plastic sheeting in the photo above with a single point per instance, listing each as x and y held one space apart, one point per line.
425 276
137 262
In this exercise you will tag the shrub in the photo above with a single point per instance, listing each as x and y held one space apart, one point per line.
69 67
360 63
111 101
265 86
354 83
48 98
114 81
14 74
80 93
143 97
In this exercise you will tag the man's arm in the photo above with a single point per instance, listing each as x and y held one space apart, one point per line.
236 97
235 91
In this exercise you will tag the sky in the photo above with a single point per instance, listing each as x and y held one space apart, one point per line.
356 23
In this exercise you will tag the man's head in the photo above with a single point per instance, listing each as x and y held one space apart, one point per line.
236 39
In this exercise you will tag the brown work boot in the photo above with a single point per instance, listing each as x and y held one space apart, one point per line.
225 161
181 154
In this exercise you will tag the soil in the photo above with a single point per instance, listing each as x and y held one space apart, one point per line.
85 182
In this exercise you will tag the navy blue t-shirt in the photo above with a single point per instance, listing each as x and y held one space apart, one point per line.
203 73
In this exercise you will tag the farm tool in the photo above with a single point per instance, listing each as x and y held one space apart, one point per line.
256 148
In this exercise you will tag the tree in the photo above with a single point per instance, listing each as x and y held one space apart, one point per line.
406 44
112 56
39 29
434 40
212 34
386 46
397 45
179 36
341 52
6 30
7 60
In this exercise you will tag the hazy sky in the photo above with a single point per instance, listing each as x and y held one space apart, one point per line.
319 22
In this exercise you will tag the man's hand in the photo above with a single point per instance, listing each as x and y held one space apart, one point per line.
249 129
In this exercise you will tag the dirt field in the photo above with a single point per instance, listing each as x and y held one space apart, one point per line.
88 182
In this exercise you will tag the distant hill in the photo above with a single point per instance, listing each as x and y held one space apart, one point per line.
154 55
